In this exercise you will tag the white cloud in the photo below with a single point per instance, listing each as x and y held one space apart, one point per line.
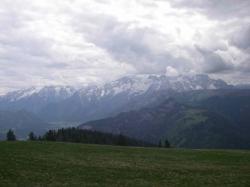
170 71
84 41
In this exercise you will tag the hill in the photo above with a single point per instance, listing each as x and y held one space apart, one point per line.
66 164
234 105
182 125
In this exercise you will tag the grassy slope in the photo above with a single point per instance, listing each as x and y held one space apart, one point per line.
65 164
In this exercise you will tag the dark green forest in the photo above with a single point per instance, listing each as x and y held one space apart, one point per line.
77 135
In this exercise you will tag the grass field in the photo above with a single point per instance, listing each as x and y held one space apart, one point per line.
66 164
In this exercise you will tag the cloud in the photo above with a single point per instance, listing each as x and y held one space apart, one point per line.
78 42
213 62
241 37
223 9
170 71
41 49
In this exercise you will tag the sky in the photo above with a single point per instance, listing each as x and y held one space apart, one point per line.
79 42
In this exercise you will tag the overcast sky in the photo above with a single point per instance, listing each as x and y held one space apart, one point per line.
75 42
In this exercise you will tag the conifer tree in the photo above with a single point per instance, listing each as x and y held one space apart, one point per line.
122 140
160 144
11 135
167 144
32 136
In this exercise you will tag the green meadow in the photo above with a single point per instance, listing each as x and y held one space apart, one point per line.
67 164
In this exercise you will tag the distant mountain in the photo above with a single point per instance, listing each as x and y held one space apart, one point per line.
125 94
33 99
184 126
207 112
22 123
135 85
60 104
47 93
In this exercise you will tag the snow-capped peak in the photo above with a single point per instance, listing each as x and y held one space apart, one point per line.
47 93
129 86
138 84
133 85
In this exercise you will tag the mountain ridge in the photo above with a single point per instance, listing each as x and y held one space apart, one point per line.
90 102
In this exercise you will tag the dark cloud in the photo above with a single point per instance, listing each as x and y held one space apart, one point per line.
223 9
241 38
213 63
245 66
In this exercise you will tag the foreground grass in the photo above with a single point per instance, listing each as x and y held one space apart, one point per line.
65 164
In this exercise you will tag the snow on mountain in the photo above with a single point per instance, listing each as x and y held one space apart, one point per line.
48 93
133 85
65 103
20 94
139 84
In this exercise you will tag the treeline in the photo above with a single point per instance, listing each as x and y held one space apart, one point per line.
77 135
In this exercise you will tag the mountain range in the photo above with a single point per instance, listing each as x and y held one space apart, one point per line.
191 111
60 103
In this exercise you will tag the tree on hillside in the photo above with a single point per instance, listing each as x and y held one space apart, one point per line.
167 144
50 135
91 137
122 140
160 144
11 135
32 136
